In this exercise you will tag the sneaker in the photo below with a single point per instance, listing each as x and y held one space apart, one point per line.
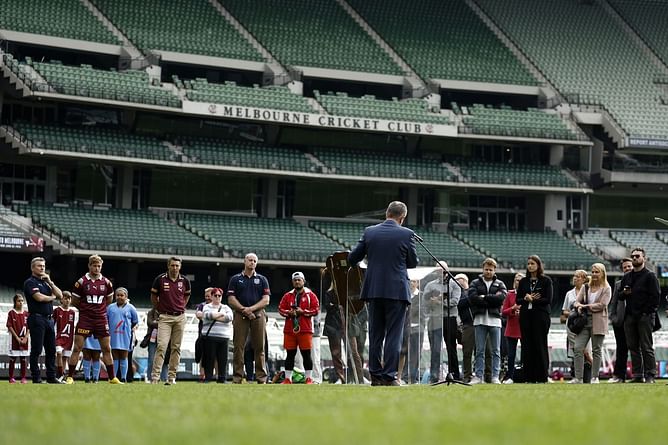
169 382
87 380
12 381
594 381
476 381
24 381
308 381
508 382
115 381
575 381
615 379
286 382
69 381
496 381
649 379
339 382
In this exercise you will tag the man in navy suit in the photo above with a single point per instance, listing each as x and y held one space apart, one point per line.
390 250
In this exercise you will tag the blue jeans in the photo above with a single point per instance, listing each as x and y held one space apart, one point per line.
481 333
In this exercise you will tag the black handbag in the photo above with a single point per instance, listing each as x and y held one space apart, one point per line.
657 322
577 320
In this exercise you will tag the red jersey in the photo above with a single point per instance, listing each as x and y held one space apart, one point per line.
172 294
93 297
19 322
308 301
64 320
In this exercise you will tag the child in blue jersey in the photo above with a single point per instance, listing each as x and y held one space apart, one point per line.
123 320
91 359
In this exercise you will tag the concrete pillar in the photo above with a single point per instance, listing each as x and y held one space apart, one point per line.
411 201
124 187
556 154
270 196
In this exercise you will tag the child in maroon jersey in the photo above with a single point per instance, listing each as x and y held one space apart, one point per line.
63 317
17 324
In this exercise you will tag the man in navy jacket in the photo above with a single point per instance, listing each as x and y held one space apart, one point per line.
390 251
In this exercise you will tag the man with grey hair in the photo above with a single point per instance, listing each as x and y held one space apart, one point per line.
390 251
441 298
40 292
248 294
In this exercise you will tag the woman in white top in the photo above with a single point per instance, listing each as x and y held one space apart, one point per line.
593 298
216 331
579 279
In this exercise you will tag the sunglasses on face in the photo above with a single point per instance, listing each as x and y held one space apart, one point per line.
635 256
217 295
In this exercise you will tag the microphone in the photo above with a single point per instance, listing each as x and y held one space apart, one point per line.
418 237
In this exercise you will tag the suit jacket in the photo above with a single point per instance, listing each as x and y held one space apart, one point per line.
390 251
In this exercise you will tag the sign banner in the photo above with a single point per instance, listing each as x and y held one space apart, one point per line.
21 243
318 120
647 142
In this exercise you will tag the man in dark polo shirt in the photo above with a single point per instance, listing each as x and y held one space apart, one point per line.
248 295
170 293
40 293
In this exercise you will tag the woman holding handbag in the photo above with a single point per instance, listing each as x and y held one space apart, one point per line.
216 331
594 299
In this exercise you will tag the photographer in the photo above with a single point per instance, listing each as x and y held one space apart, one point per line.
486 296
298 306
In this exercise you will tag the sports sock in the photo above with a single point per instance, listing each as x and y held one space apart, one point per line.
12 364
116 367
60 371
288 374
86 369
96 370
23 367
71 370
124 368
308 373
110 370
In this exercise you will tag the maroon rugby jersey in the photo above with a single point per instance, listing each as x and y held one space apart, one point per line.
19 322
171 294
64 319
93 297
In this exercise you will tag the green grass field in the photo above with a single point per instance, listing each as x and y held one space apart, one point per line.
191 413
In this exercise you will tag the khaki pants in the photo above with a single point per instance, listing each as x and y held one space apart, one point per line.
242 326
170 329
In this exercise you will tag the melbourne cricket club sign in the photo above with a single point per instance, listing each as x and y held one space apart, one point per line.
318 120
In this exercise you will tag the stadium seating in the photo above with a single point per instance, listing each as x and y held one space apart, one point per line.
516 174
414 110
122 230
60 18
655 245
597 241
128 86
442 245
381 164
648 19
313 33
93 140
443 40
531 123
246 154
511 249
276 239
194 27
577 46
229 93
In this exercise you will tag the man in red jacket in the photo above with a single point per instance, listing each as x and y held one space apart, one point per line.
298 306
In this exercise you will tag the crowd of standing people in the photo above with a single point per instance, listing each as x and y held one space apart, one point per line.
485 317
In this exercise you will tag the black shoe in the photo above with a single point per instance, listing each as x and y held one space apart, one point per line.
650 379
37 382
55 382
376 381
637 380
394 382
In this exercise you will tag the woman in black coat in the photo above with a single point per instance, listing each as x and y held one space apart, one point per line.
534 295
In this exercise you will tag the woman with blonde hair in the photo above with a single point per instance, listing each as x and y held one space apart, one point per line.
592 298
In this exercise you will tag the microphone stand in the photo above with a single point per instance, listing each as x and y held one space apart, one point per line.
449 379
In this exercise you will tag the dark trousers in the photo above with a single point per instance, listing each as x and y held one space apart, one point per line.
512 353
535 325
335 340
450 337
638 330
435 339
621 352
215 352
468 346
386 325
42 336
